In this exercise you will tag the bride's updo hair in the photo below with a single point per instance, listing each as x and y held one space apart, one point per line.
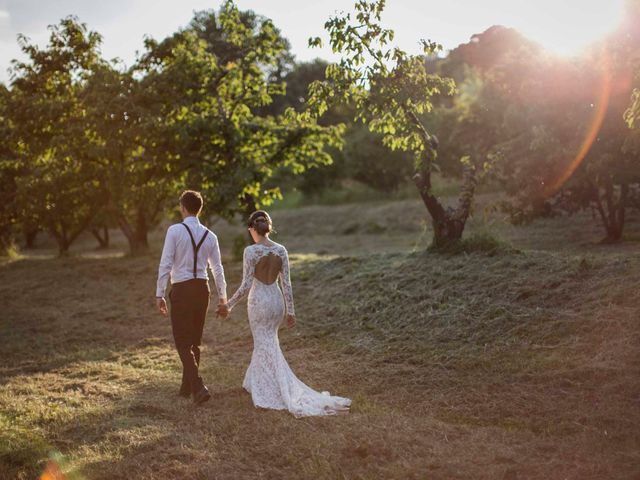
261 221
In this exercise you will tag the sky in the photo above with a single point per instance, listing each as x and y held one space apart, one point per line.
563 26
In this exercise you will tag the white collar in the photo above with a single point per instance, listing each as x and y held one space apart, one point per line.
192 219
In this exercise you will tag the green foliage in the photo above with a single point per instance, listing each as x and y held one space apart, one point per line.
98 144
220 106
297 81
9 172
56 187
132 148
364 158
552 130
239 244
368 161
386 87
389 91
214 73
556 163
475 121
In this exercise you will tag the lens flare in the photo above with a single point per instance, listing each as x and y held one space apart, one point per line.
52 472
600 110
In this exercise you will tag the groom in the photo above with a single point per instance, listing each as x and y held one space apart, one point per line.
188 247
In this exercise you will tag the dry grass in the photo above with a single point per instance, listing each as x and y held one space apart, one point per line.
518 363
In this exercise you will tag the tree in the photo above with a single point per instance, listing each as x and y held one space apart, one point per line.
364 158
390 91
218 76
9 171
132 153
369 161
317 178
57 187
99 144
574 151
479 117
297 80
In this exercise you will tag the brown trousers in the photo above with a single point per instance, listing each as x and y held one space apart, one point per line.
189 305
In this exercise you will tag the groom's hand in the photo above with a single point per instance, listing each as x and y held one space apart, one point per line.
162 305
291 321
223 310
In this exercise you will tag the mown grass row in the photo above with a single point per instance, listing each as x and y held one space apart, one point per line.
494 362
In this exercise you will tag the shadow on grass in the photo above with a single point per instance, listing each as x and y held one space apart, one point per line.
108 435
61 311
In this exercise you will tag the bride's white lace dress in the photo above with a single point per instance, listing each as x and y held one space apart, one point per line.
269 379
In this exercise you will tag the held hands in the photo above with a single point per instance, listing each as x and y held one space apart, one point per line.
161 303
162 306
222 310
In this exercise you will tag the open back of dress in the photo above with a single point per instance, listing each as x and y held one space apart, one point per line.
268 268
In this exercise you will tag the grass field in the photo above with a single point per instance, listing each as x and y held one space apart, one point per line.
517 360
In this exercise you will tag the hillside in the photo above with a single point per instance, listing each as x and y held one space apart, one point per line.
517 360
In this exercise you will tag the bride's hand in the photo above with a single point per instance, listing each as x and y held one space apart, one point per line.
222 311
291 321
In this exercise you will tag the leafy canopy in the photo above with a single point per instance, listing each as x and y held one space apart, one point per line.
387 87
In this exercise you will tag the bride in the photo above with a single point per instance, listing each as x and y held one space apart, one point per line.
269 379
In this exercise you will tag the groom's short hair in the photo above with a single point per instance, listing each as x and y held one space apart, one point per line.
191 201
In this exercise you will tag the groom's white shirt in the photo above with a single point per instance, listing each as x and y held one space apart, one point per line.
177 257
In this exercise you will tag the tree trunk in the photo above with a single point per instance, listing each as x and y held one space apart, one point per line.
249 208
62 240
63 248
6 243
136 237
448 223
142 231
142 241
102 237
612 212
30 235
137 243
128 232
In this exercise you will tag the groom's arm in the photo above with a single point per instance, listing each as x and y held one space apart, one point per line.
215 262
166 262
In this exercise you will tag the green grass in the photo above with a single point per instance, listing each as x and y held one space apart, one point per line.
516 356
350 191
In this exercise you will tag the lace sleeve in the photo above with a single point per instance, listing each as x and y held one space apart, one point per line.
247 277
286 283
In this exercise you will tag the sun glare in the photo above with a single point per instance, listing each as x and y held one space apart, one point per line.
569 26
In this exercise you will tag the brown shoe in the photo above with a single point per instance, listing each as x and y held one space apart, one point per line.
202 396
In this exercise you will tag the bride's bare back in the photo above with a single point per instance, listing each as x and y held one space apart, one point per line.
268 268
